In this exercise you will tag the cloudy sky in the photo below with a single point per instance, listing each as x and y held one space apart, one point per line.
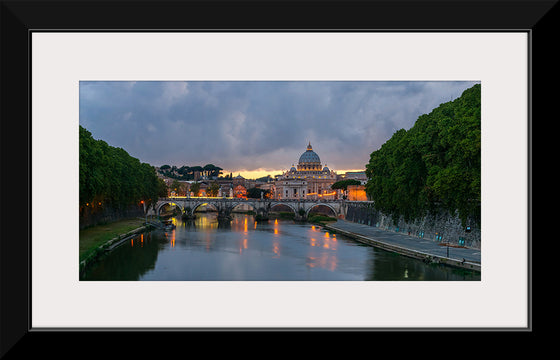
258 127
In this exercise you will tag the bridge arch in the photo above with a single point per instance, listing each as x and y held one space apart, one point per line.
170 202
244 203
284 204
197 205
335 213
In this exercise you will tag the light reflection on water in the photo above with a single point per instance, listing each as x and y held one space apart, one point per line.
245 250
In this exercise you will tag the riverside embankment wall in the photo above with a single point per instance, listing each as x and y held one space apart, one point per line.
439 227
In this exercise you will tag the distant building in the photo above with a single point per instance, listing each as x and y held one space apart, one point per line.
356 193
268 186
356 175
226 190
238 180
203 188
239 191
309 180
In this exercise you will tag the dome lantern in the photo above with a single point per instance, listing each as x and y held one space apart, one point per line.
309 160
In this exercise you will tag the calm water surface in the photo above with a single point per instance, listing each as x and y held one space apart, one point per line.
203 250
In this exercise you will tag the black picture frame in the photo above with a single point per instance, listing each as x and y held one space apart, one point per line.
20 18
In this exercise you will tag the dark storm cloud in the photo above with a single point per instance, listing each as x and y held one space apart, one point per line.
251 125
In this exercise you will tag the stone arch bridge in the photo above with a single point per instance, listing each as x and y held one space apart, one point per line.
262 207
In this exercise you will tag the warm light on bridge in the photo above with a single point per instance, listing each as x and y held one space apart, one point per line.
201 197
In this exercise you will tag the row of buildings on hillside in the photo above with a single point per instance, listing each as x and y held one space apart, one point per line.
309 179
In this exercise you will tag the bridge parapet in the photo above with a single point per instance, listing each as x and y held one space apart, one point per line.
226 205
251 200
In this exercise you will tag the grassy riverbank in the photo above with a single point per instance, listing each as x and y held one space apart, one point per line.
93 237
320 219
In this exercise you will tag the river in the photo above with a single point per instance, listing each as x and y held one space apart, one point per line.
246 250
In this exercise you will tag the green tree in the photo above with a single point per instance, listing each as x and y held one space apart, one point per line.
343 184
179 187
195 188
161 188
434 165
183 170
255 193
210 170
196 168
109 176
216 172
206 169
213 189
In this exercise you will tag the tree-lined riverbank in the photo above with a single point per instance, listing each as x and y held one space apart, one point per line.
112 182
433 166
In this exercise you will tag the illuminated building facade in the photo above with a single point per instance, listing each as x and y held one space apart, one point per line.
356 193
309 180
240 191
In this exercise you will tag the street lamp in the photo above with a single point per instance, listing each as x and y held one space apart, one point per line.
145 213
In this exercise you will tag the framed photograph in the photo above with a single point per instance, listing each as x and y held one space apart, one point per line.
283 104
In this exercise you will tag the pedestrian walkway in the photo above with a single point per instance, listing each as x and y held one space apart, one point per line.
424 249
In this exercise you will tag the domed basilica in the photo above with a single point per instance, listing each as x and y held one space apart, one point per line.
309 180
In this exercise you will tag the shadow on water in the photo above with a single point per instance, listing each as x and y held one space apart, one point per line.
130 260
388 266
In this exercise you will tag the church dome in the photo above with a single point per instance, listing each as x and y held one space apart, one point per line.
309 156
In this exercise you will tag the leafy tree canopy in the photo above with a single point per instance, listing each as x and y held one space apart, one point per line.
343 184
255 193
188 172
434 165
110 176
